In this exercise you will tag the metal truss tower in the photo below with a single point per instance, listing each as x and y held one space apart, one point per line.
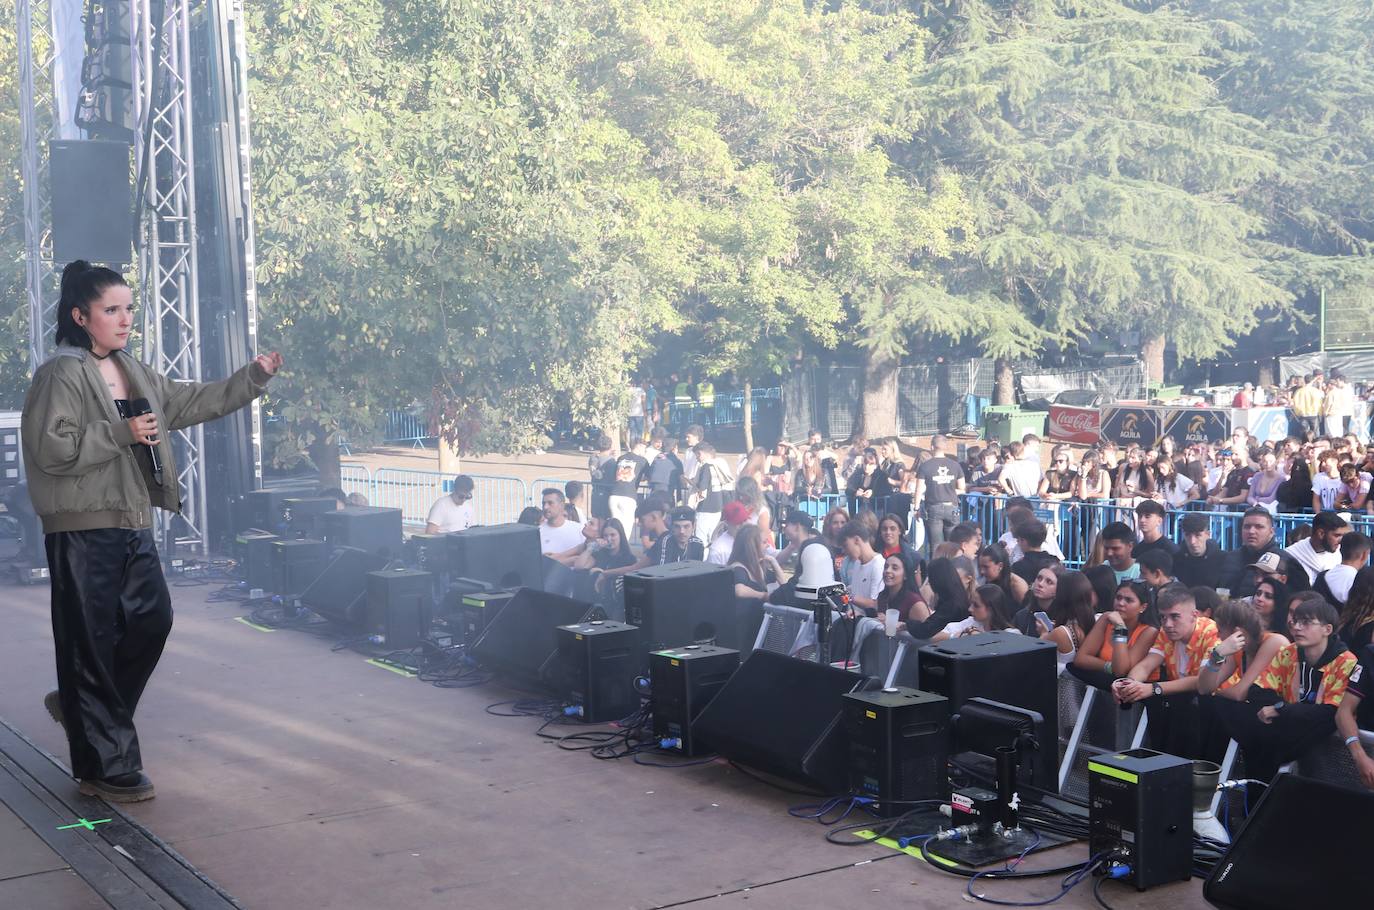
165 196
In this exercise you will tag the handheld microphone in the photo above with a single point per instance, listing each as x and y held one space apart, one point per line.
140 406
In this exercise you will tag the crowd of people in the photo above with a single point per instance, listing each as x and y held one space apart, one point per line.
1267 642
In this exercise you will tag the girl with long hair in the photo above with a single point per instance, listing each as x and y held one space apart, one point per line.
901 587
755 571
1245 648
948 600
1357 618
868 486
1270 601
989 611
1105 657
1038 598
1171 487
1094 483
994 567
1134 479
1071 612
812 481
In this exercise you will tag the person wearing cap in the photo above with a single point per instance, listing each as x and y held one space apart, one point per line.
679 543
1199 562
1149 520
796 530
454 511
733 516
1245 397
1321 551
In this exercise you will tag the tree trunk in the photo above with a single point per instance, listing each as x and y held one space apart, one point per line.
324 453
880 397
1152 352
1003 382
1266 373
748 416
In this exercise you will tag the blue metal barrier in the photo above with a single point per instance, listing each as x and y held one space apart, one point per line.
725 409
1076 524
495 500
357 478
402 426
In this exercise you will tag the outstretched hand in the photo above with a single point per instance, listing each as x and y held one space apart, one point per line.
270 363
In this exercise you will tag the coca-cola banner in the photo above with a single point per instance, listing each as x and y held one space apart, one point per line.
1081 426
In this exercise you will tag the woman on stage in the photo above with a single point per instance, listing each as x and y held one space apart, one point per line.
93 419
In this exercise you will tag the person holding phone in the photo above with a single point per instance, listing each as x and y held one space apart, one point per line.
1069 617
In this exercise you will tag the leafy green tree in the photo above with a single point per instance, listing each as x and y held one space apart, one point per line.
14 315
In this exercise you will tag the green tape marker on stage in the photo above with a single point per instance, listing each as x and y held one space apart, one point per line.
387 665
909 851
252 625
82 823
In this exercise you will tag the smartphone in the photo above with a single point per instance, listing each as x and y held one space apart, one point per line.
1044 619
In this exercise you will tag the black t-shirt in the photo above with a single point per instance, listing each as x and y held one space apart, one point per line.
742 578
991 479
1029 566
606 558
1236 481
1205 570
629 471
666 550
941 476
1164 543
1362 684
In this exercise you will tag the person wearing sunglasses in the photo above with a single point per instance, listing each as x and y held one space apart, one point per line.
454 511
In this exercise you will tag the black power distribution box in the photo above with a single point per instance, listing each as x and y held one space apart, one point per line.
898 747
296 564
682 681
473 611
399 604
1140 810
595 669
428 552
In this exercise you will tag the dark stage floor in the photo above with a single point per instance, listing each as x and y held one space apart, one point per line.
294 777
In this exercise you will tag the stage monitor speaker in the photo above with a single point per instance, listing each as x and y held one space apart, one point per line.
1300 847
898 747
682 681
367 528
596 669
339 591
300 515
429 552
399 606
92 204
520 641
684 602
296 564
261 510
505 556
783 716
1005 667
253 550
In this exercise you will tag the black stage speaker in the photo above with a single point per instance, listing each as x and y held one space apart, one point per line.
519 642
92 206
363 528
596 668
1301 847
898 747
399 604
1140 810
253 550
1005 667
299 515
681 603
339 592
260 509
783 716
429 552
504 556
296 564
682 681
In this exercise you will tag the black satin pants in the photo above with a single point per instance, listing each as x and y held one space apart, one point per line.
111 614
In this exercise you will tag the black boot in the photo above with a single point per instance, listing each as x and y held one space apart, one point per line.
133 787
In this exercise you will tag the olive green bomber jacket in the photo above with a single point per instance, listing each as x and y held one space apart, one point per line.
79 453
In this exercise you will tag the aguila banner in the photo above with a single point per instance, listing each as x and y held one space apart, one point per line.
1199 425
1142 426
1081 426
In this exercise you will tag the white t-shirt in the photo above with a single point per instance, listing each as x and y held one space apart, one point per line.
559 539
1182 489
866 578
1050 546
719 551
1328 488
636 402
449 515
1339 581
955 629
1315 563
1023 476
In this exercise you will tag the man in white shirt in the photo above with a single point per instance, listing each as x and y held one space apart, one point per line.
454 511
1354 554
557 534
1321 551
733 516
691 437
863 566
1021 476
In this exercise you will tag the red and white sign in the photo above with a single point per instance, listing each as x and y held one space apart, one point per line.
1081 426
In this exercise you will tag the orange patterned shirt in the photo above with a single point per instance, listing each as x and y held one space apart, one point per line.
1242 667
1282 677
1196 649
